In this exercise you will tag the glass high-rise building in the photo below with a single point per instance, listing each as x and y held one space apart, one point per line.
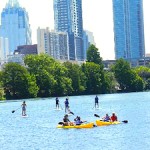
128 29
15 25
68 18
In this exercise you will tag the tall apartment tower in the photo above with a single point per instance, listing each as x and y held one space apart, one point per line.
15 25
68 18
128 29
53 43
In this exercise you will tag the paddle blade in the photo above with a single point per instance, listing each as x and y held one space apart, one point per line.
61 123
125 121
72 113
96 115
13 111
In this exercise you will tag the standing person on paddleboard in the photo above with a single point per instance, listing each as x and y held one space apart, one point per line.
66 104
24 108
96 102
57 103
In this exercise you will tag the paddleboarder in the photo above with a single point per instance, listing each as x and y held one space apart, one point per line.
96 102
57 103
24 105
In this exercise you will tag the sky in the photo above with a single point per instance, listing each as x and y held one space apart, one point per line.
97 18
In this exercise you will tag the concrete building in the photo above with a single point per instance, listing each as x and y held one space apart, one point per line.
3 49
26 49
53 43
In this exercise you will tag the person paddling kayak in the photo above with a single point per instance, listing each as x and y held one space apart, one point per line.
78 121
24 108
106 118
113 117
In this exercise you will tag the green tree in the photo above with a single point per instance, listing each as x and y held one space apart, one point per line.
41 66
77 76
127 78
93 75
17 82
51 76
63 84
93 55
111 84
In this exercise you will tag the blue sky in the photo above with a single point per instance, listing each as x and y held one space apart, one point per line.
97 18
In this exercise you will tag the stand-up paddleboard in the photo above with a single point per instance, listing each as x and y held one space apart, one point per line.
58 109
97 108
68 114
24 116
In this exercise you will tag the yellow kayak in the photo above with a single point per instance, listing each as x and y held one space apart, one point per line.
84 125
104 123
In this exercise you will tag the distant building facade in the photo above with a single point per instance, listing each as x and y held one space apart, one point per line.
15 25
128 29
53 43
68 18
4 47
26 49
88 39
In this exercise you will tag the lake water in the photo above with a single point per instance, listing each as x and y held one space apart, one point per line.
39 132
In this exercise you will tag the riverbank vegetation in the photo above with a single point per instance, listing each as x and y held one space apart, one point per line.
42 76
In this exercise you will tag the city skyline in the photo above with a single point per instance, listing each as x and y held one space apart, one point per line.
97 18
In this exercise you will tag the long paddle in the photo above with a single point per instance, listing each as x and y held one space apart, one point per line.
71 113
61 106
124 121
15 110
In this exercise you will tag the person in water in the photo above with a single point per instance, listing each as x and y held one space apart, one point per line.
78 121
57 103
96 102
24 108
113 117
66 104
106 118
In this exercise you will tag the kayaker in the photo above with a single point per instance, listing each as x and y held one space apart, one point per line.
113 117
96 102
106 118
66 104
57 103
78 121
24 108
66 121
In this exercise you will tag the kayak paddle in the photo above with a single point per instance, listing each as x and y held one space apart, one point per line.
61 123
96 115
71 113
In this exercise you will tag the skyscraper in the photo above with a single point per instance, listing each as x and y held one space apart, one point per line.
53 43
15 25
68 18
128 29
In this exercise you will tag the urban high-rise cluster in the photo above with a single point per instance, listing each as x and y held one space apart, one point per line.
68 40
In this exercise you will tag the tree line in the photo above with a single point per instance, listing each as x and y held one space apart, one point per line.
42 76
